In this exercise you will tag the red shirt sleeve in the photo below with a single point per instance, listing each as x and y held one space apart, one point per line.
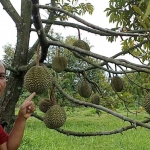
3 135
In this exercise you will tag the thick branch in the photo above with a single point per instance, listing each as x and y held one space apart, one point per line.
67 132
101 57
83 134
89 24
133 122
108 70
77 26
40 31
11 11
99 133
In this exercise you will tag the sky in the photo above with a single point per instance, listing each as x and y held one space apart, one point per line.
100 44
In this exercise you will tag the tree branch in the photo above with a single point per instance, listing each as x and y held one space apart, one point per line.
40 31
89 24
83 134
77 26
134 122
98 133
101 57
7 5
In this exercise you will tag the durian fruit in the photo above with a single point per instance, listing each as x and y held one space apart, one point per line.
146 103
44 105
59 63
37 79
95 99
84 88
55 117
117 83
81 44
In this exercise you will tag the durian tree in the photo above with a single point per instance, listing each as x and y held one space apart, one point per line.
131 27
134 88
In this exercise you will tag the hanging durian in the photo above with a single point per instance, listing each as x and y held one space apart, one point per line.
117 83
81 44
59 63
95 99
46 103
146 103
84 88
37 78
55 117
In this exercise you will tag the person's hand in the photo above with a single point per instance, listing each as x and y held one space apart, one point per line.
27 107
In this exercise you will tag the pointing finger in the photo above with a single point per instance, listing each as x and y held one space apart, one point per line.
31 96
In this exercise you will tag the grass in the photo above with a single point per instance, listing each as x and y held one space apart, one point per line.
38 137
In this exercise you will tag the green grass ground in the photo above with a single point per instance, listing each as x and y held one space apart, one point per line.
38 137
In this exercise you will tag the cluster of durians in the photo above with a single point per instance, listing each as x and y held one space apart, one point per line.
38 79
44 105
55 116
84 89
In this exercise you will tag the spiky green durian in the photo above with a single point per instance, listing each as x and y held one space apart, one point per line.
59 63
84 88
44 105
117 83
95 99
81 44
37 79
55 117
146 103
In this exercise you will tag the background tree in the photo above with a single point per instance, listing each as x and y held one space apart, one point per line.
129 17
92 67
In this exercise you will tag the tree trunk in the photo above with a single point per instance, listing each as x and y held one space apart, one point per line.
15 80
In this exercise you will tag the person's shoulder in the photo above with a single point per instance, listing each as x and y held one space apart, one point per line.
1 128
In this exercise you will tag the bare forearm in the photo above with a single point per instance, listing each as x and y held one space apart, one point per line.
16 134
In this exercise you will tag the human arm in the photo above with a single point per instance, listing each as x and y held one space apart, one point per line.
16 135
3 139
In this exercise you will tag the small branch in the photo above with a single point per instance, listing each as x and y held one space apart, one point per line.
37 55
128 62
131 48
77 26
89 24
74 25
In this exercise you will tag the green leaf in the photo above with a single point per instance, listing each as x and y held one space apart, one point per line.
141 22
138 10
111 18
147 11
